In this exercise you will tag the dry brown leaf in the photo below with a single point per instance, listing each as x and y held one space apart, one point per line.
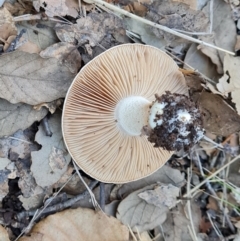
178 16
56 8
230 82
41 33
165 174
140 215
78 224
18 9
136 8
29 47
31 79
212 204
7 26
224 28
194 4
161 195
237 44
218 117
66 53
90 30
18 116
3 234
211 53
53 158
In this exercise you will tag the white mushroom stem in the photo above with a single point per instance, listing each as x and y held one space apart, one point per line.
131 114
156 109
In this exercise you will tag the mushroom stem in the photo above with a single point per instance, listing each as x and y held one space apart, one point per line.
131 114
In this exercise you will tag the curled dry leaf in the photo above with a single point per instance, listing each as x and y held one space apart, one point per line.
56 8
230 82
7 26
51 106
66 53
28 73
161 195
165 174
78 224
53 158
3 234
18 116
218 117
140 215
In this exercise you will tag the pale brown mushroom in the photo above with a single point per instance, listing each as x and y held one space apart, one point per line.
108 104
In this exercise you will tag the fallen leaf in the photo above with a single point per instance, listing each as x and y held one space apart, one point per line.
29 47
28 73
223 26
78 224
237 44
140 215
19 8
90 30
56 8
32 202
66 53
212 204
7 26
51 106
230 82
165 174
218 117
211 53
194 4
197 60
18 116
41 33
53 157
3 234
161 195
177 16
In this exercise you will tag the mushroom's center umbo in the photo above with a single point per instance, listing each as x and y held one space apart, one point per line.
175 122
131 114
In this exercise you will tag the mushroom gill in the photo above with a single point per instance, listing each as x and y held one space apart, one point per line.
107 106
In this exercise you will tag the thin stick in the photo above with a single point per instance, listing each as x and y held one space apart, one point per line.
211 176
166 29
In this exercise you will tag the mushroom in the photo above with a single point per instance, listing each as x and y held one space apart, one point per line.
107 106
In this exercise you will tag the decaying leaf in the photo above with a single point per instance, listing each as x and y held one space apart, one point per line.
140 215
31 79
218 117
230 82
177 16
40 34
18 116
7 26
56 8
211 53
161 195
66 53
32 202
19 8
3 234
53 158
51 106
223 26
78 224
91 29
165 174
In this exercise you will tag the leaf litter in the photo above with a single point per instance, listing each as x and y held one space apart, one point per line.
46 53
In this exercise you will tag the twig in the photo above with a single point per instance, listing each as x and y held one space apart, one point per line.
211 176
94 201
59 206
46 126
17 139
13 44
189 209
102 196
217 231
164 28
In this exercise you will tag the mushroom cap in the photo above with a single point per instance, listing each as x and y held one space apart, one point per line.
91 133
